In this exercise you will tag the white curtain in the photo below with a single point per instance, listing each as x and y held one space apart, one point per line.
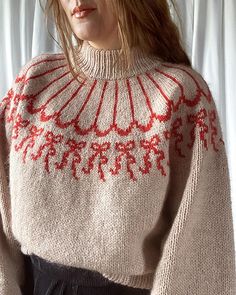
23 35
209 33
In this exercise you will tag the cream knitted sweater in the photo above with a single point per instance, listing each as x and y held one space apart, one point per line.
126 175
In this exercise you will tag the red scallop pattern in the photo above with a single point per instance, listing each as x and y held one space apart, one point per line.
27 135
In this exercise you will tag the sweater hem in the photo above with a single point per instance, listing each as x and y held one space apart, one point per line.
140 281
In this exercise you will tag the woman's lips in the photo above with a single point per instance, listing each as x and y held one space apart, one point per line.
83 13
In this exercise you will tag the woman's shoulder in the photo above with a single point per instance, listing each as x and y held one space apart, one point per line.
192 106
185 85
37 72
184 76
39 63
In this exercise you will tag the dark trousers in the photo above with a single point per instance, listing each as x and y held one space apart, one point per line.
45 278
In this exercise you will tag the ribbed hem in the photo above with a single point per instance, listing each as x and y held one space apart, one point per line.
143 281
86 277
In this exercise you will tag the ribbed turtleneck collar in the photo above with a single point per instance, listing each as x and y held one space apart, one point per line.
97 63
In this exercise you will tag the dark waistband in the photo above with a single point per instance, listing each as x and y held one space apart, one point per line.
81 276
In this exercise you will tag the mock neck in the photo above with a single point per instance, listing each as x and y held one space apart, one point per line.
97 63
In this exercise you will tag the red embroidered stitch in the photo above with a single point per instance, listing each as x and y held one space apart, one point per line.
152 145
5 105
46 60
168 101
20 79
213 128
114 125
19 123
51 141
34 132
153 115
124 149
99 107
178 136
46 86
198 120
45 73
74 149
175 134
79 130
131 102
58 114
99 153
43 116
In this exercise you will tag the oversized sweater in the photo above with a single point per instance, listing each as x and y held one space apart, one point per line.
124 172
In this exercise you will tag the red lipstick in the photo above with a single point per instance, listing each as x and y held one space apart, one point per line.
82 10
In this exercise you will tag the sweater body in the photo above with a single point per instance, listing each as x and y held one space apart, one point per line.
91 179
111 175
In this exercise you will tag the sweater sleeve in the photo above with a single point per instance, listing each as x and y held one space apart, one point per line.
11 258
198 251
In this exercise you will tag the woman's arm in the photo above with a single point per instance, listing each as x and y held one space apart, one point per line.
198 254
11 258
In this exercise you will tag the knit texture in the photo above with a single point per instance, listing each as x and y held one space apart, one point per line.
124 173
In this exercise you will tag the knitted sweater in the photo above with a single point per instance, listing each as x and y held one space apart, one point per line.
126 175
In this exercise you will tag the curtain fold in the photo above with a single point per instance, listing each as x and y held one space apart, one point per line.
23 35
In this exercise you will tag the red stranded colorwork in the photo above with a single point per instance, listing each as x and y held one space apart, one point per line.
126 175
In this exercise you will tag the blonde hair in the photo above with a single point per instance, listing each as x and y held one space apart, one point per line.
155 31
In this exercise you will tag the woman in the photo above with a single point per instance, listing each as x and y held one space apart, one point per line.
114 175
